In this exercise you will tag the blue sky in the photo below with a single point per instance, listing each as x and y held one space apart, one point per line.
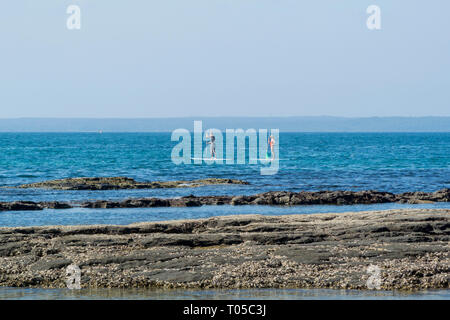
147 58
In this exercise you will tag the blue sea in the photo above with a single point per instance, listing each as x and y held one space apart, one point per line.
394 162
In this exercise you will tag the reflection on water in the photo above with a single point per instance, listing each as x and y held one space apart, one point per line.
278 294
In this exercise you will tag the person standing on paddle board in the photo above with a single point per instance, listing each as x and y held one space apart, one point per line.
212 142
271 142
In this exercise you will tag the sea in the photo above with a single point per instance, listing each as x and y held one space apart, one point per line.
393 162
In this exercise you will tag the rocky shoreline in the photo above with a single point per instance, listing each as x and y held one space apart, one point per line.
122 183
274 198
411 248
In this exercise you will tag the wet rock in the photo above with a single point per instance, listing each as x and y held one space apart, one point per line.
242 200
20 206
101 204
32 206
279 198
442 195
55 205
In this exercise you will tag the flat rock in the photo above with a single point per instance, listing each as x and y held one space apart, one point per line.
115 183
44 264
333 250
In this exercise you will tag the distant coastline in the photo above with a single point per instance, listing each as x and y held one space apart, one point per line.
285 124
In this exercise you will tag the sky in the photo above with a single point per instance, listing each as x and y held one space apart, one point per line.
177 58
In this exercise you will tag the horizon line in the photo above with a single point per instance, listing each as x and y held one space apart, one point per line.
221 117
169 132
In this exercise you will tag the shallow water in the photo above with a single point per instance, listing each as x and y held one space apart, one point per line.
82 216
260 294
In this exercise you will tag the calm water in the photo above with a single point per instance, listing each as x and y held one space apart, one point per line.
395 162
384 161
81 216
260 294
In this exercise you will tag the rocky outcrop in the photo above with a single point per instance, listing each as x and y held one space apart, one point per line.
115 183
410 248
341 197
32 206
275 198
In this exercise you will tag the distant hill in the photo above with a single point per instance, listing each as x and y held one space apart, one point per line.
285 124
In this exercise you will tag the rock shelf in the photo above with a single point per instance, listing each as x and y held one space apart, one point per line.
411 248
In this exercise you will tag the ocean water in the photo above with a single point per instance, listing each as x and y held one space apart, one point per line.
311 161
394 162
